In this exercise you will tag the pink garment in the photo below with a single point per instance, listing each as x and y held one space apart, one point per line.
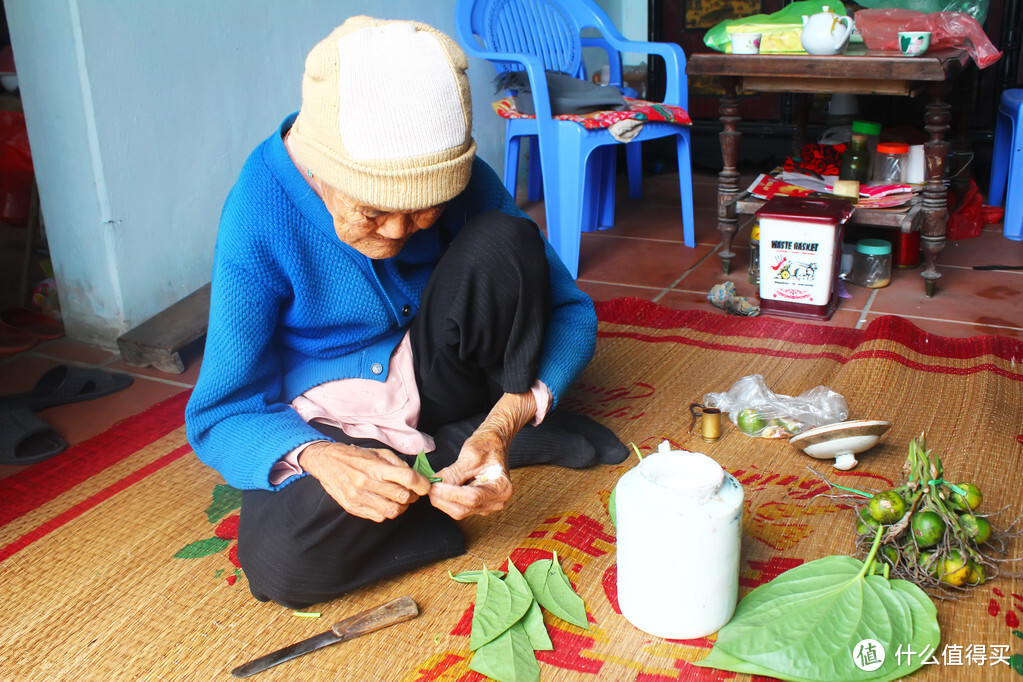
385 411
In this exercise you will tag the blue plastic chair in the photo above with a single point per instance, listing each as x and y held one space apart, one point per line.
576 164
1007 163
633 152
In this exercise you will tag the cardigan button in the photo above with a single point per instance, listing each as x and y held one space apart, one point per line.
376 368
406 310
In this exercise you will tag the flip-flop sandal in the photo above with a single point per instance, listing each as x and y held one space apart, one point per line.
63 384
27 439
14 340
32 322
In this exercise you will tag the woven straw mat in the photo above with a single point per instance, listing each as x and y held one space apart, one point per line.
117 558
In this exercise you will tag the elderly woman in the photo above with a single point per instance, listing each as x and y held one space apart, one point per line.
377 294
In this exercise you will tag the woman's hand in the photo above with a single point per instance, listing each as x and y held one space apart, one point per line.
478 483
374 484
460 493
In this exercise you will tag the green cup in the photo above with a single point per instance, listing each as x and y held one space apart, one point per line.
914 43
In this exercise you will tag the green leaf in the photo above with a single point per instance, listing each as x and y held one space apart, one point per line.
535 628
472 576
508 658
422 466
612 509
521 594
806 624
201 548
552 588
497 609
225 500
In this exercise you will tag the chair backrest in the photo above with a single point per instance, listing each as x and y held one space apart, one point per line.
548 29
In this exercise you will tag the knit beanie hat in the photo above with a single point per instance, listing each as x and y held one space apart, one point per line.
386 116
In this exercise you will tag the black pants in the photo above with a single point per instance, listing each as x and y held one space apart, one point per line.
478 334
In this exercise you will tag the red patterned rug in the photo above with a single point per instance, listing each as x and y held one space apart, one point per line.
117 558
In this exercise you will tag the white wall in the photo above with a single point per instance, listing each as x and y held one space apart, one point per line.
140 114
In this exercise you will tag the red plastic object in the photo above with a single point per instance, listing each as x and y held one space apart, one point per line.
965 221
16 170
880 29
907 250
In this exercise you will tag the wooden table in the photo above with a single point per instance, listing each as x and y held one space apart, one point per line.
858 71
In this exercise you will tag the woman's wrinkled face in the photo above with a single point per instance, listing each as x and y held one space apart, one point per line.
374 232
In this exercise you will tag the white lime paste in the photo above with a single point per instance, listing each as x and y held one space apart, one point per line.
679 536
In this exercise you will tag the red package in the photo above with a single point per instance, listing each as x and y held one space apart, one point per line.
966 219
880 29
15 169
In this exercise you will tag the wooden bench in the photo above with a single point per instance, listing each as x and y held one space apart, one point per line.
160 341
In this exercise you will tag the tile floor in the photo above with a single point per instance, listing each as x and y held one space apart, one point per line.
642 256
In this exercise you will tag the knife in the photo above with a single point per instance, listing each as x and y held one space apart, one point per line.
377 618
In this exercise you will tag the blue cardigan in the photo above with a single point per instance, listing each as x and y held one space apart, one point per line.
293 306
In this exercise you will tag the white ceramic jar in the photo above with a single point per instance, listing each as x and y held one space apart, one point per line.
679 525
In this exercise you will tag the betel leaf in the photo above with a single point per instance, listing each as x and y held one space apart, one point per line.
508 658
496 610
535 628
552 588
422 466
807 624
521 594
472 576
612 506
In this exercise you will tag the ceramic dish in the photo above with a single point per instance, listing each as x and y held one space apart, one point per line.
841 441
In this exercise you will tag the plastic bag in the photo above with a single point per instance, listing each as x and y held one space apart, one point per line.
880 29
976 9
15 169
760 412
965 220
779 32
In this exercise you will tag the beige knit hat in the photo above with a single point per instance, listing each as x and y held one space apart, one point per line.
386 114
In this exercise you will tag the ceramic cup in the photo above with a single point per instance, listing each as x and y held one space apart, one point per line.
914 43
745 43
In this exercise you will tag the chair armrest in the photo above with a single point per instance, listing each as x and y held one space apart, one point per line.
614 58
677 88
534 69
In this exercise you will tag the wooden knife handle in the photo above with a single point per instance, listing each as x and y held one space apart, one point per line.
377 618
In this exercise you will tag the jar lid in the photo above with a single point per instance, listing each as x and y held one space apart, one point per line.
805 210
866 127
874 247
892 148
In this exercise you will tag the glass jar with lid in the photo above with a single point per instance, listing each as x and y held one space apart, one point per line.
872 264
891 162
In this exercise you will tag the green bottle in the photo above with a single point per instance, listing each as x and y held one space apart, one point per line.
856 160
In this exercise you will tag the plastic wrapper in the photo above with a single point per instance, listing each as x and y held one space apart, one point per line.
779 32
972 8
759 412
880 30
15 169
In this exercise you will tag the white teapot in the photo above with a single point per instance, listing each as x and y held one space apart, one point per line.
826 33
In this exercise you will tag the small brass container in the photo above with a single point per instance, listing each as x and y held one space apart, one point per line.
710 421
710 424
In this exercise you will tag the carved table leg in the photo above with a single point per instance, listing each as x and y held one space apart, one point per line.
936 118
728 178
